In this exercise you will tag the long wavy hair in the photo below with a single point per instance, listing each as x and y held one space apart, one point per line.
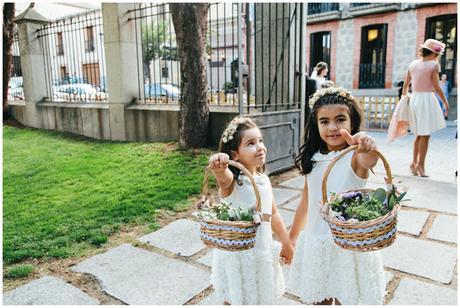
239 125
312 142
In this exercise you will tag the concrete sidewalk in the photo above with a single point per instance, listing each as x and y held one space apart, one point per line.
171 265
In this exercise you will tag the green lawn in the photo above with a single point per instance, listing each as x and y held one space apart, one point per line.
64 194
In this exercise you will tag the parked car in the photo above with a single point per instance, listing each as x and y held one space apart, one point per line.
77 92
157 90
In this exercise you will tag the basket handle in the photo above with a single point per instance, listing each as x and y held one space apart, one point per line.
246 172
349 149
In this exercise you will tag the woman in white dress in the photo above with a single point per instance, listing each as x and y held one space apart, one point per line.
319 74
426 116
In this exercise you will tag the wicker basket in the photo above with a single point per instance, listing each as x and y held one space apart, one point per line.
367 235
229 235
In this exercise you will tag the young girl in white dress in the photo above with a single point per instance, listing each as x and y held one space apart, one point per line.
253 276
321 271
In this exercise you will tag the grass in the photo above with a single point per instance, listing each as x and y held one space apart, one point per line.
64 194
19 271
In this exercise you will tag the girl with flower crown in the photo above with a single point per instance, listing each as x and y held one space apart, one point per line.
321 271
254 276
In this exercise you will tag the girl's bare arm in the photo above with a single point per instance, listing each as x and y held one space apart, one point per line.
224 177
300 217
406 83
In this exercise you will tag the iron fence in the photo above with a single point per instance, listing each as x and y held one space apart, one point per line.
15 84
159 65
74 58
371 75
317 8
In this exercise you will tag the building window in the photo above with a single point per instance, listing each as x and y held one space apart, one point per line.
373 56
444 28
63 73
89 39
320 50
59 44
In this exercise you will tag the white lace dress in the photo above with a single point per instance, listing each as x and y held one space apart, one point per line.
254 276
320 268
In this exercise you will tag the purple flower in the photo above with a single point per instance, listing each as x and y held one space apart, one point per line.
352 195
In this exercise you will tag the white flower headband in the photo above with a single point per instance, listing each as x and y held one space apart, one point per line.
229 132
330 90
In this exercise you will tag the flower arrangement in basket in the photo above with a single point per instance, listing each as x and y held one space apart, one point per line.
364 219
224 226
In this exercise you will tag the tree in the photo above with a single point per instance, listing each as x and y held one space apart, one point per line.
8 32
190 25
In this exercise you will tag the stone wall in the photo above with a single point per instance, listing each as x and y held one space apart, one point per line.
404 43
344 63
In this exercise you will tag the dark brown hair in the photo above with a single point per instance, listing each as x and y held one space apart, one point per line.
239 124
425 52
312 142
320 66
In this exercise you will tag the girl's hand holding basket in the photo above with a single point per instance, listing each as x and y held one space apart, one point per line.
369 235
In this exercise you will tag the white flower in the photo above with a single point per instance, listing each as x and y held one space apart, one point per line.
224 140
230 137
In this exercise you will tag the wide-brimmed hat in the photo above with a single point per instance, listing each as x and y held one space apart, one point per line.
433 45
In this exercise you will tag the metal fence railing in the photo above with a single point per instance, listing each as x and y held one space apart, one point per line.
371 75
73 49
377 110
159 68
317 8
15 84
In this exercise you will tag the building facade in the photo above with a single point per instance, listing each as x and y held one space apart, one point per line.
369 46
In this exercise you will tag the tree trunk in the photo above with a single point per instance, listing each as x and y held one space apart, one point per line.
8 31
190 24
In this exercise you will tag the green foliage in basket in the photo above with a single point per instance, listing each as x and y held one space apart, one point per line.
225 211
357 206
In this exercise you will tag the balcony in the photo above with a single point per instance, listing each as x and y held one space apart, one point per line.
359 9
371 76
321 12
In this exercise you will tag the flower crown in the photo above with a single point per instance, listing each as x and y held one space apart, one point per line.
229 132
328 91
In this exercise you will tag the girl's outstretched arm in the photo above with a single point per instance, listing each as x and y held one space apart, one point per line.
278 227
300 217
364 158
224 177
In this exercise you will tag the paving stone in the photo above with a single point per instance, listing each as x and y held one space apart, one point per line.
288 217
423 193
212 299
48 290
292 204
422 258
171 237
207 258
139 277
413 292
298 182
411 221
444 228
388 277
283 195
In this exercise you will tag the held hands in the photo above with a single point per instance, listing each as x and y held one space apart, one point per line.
365 143
286 254
219 162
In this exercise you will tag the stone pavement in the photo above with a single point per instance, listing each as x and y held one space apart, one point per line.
171 265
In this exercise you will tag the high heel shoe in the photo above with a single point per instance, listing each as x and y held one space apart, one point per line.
413 169
421 172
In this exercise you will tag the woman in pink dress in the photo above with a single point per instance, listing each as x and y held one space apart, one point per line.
425 114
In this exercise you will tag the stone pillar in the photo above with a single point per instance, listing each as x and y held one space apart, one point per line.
32 59
121 63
